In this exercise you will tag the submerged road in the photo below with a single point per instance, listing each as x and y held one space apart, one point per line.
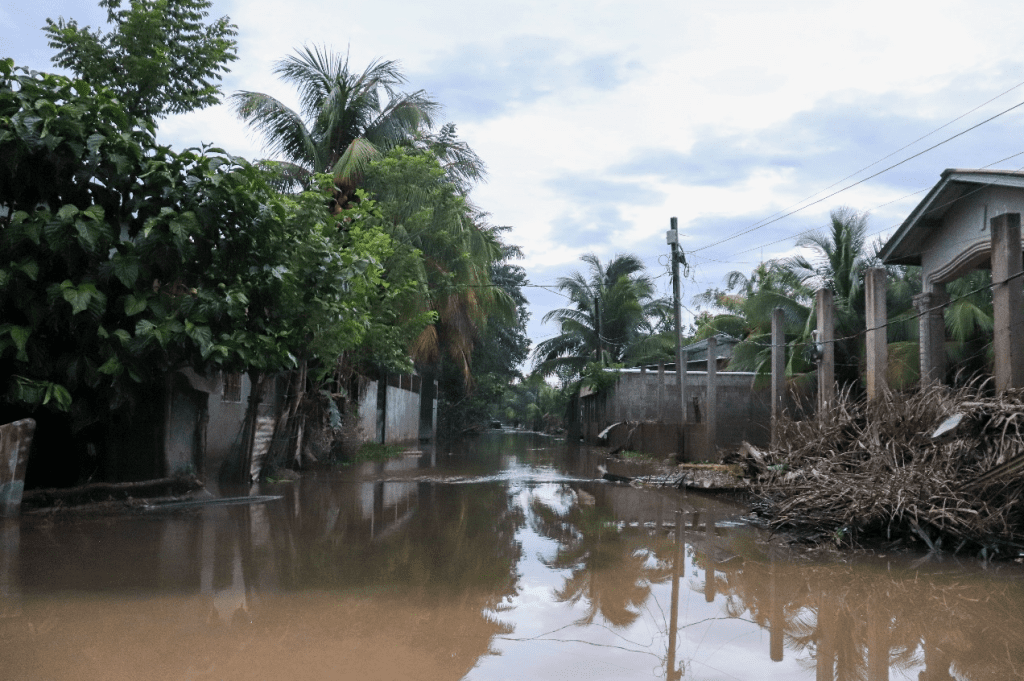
504 558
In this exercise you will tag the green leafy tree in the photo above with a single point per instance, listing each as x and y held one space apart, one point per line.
425 214
161 56
121 261
614 312
346 119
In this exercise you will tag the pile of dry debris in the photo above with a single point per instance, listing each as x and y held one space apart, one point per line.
942 466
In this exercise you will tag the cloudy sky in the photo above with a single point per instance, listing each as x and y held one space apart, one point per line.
599 121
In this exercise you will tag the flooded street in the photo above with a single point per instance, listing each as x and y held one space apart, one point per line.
504 560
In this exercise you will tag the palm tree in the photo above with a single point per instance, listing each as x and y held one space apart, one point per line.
346 119
614 313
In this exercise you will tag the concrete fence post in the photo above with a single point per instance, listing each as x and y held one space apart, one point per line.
1007 302
661 392
932 333
642 392
826 341
778 370
877 344
712 405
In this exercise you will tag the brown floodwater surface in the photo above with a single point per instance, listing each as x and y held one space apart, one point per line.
503 559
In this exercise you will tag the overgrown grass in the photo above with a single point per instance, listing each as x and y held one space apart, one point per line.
374 451
638 456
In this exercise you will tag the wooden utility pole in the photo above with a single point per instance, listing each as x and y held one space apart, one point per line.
673 240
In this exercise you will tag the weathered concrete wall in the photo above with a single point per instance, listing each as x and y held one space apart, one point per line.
744 412
227 414
402 414
366 426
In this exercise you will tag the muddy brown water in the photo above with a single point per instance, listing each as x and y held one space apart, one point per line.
505 559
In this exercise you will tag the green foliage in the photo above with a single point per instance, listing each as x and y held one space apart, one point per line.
121 260
346 119
375 451
614 315
160 58
600 377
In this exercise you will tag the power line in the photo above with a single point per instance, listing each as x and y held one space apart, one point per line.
906 146
765 223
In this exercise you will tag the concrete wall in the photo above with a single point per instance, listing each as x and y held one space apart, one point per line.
402 413
963 242
366 422
744 412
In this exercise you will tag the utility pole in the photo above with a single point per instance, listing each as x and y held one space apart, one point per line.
672 237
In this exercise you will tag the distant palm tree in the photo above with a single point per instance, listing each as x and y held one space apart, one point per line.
346 119
614 311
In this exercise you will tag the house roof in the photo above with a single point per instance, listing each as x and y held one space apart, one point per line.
905 246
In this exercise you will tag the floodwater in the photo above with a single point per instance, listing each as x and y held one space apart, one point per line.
504 560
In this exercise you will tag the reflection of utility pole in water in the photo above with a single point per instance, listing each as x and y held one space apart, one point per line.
878 642
671 673
10 591
709 558
825 664
775 631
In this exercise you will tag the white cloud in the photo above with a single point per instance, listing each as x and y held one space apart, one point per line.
721 114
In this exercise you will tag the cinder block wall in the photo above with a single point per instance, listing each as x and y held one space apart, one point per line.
744 412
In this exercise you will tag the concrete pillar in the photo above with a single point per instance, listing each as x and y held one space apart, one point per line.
826 338
712 404
778 370
1007 302
877 334
661 392
932 326
433 415
642 392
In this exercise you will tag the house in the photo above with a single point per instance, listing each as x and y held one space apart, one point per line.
969 220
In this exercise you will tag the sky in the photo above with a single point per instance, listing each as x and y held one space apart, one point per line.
599 123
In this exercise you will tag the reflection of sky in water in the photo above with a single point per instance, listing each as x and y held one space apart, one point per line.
548 643
404 578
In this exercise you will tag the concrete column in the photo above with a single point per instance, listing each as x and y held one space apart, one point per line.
778 370
712 405
661 392
932 326
1007 302
433 416
877 335
826 337
642 392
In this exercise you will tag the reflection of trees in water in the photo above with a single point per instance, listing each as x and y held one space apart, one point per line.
859 621
609 571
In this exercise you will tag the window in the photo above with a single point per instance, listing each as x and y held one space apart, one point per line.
232 388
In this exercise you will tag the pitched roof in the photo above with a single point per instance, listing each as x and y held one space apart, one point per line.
905 246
